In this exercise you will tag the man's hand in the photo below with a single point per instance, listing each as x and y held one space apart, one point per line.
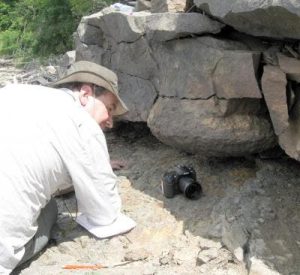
118 164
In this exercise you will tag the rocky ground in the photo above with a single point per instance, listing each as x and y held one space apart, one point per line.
246 222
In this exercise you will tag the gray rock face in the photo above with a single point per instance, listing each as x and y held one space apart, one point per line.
210 126
134 59
91 53
139 96
273 86
258 18
252 221
122 27
89 31
291 67
283 100
207 67
168 26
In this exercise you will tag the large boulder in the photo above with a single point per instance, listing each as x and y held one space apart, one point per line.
207 67
277 19
212 127
283 100
123 27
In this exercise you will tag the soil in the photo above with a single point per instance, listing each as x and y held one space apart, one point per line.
168 237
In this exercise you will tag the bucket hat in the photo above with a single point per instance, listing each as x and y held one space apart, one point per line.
89 72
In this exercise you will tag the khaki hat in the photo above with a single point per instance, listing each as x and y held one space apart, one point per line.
89 72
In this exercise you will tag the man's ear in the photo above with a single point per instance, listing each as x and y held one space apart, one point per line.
86 90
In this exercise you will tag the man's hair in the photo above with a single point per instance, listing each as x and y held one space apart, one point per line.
98 91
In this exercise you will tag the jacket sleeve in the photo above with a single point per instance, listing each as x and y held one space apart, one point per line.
95 184
86 157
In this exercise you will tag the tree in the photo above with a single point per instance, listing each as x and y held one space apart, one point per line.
42 27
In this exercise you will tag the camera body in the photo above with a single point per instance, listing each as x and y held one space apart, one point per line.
181 180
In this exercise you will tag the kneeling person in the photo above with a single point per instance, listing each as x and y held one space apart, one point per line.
51 140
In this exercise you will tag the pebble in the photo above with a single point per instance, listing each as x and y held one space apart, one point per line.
136 255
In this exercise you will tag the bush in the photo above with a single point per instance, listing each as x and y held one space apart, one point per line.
9 42
39 28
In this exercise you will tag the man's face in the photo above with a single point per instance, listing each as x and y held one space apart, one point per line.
110 102
101 108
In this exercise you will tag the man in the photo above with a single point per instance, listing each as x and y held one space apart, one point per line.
51 140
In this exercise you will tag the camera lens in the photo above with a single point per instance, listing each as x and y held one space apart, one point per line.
168 184
190 188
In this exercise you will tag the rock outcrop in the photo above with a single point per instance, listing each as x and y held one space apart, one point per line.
197 91
275 18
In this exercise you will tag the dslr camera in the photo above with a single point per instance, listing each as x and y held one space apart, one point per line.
181 180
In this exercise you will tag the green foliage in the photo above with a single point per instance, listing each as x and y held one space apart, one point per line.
39 28
9 42
5 20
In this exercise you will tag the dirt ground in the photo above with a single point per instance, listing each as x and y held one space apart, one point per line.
167 239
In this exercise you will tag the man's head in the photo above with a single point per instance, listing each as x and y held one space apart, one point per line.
97 87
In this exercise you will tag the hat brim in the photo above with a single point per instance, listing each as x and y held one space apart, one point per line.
88 77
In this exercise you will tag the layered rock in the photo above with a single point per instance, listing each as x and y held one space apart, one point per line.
277 19
201 82
211 127
282 95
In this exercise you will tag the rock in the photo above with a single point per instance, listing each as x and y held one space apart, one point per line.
196 59
258 18
168 26
274 89
136 255
166 257
290 66
235 239
160 6
142 5
205 244
89 33
134 59
285 118
64 63
199 126
235 75
139 96
91 53
122 27
289 141
258 267
206 255
186 256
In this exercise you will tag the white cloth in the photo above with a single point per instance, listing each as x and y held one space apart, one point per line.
49 142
